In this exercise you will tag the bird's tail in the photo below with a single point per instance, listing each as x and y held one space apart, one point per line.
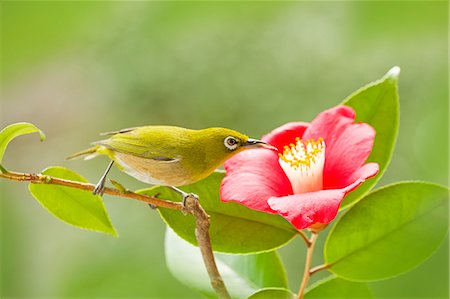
88 153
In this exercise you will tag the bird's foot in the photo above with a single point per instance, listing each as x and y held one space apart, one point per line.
99 188
187 196
187 199
189 202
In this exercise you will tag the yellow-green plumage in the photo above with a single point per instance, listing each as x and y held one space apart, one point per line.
167 155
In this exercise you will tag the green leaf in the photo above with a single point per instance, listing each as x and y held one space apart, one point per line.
15 130
242 274
336 288
389 232
272 293
234 227
377 104
74 206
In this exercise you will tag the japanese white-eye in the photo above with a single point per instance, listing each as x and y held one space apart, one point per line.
167 155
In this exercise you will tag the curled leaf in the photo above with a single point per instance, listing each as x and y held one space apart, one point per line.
13 131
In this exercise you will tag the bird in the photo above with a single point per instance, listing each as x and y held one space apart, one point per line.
168 155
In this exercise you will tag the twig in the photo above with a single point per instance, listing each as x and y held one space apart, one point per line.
192 206
304 237
319 268
202 224
45 179
306 273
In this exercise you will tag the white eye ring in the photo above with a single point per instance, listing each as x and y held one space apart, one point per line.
231 143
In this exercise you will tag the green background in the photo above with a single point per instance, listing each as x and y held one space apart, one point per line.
75 69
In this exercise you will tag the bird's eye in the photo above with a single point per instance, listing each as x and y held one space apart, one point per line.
231 143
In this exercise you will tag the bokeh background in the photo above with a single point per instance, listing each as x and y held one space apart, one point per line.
79 68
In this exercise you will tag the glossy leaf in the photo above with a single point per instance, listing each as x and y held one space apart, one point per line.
336 288
377 104
15 130
389 232
272 293
74 206
242 274
234 227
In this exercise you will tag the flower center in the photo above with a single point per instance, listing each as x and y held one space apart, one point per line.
303 164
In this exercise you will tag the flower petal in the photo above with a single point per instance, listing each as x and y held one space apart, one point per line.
285 134
329 125
253 176
306 209
347 155
369 170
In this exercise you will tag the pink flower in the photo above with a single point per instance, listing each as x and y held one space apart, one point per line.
316 166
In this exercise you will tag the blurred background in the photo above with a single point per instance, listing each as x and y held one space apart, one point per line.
76 69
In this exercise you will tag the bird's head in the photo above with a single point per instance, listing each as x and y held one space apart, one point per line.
223 143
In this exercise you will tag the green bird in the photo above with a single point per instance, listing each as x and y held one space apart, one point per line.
167 155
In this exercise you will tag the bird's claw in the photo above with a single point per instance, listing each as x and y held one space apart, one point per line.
187 204
99 188
186 196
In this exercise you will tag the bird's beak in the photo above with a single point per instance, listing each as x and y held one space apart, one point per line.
254 143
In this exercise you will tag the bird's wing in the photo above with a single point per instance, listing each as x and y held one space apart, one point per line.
117 132
145 143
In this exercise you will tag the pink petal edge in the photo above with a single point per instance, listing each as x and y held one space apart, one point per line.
252 177
350 151
330 124
306 209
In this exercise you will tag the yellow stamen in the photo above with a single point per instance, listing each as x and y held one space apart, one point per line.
302 153
303 164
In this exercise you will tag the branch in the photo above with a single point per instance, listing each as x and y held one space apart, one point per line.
304 237
192 207
306 273
45 179
202 224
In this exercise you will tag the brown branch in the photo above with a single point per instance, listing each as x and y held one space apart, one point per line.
45 179
192 206
202 224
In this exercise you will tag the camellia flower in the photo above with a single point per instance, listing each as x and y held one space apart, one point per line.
315 167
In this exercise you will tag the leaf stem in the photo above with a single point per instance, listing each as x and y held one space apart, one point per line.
308 262
304 237
319 268
192 206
